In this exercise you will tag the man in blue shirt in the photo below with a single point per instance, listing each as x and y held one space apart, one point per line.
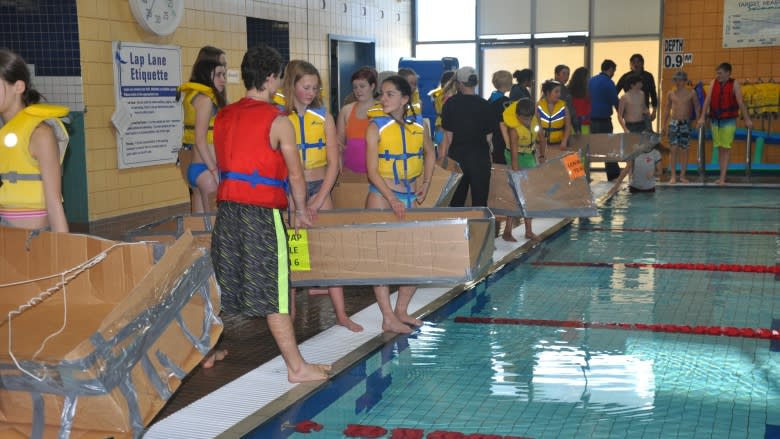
603 96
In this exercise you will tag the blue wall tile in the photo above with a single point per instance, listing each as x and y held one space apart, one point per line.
44 33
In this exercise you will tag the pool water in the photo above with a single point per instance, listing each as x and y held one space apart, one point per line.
549 370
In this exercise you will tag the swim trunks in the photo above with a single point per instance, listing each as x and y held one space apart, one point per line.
679 133
525 160
251 259
723 132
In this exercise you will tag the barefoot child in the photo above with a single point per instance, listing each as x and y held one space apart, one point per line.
523 134
399 178
318 147
680 104
258 161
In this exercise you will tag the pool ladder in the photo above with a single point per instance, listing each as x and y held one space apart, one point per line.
701 154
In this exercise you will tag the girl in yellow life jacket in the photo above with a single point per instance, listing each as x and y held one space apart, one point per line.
400 160
317 140
554 120
202 97
32 146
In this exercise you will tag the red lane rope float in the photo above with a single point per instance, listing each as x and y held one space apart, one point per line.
717 232
739 268
407 433
307 426
458 435
364 431
725 331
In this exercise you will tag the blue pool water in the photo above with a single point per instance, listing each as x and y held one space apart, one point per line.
573 382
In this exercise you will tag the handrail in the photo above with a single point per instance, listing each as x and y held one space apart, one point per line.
748 153
701 156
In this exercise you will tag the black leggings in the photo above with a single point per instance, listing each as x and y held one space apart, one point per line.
476 175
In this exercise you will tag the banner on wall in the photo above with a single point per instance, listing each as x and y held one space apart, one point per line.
751 23
147 118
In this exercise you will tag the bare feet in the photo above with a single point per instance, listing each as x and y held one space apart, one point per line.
409 320
532 236
673 181
349 324
309 372
684 180
508 237
720 182
212 357
393 324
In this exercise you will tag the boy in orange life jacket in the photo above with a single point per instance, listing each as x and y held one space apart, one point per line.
724 102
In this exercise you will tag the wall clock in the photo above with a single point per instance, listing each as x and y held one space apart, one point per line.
160 17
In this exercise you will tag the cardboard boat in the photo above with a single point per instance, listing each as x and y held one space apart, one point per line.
99 356
351 189
371 246
620 147
557 188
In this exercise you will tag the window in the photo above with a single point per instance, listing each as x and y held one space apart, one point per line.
452 20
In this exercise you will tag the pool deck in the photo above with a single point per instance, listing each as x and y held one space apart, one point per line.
239 406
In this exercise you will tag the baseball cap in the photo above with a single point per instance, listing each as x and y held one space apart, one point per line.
682 76
467 75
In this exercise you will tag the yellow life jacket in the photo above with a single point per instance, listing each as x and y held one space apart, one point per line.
552 123
189 90
279 99
400 149
310 136
416 102
526 136
20 174
437 95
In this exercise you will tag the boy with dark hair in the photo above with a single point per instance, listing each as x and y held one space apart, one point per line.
632 111
258 161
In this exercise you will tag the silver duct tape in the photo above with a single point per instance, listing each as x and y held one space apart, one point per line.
37 416
154 378
131 398
67 415
114 369
468 276
448 190
620 147
170 366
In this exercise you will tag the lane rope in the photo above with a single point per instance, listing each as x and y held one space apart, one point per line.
724 331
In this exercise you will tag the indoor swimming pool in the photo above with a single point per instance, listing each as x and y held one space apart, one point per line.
653 320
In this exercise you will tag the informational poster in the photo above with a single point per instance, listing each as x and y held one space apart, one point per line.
751 23
147 118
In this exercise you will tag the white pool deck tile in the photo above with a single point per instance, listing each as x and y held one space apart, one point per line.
221 410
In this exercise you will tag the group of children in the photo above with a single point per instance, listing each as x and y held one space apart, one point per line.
279 146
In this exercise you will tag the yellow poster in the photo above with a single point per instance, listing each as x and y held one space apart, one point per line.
298 244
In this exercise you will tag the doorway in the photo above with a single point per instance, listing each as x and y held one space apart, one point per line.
346 55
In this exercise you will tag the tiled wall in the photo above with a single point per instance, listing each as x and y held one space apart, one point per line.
220 23
700 24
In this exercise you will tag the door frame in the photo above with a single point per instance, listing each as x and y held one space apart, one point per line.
333 65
